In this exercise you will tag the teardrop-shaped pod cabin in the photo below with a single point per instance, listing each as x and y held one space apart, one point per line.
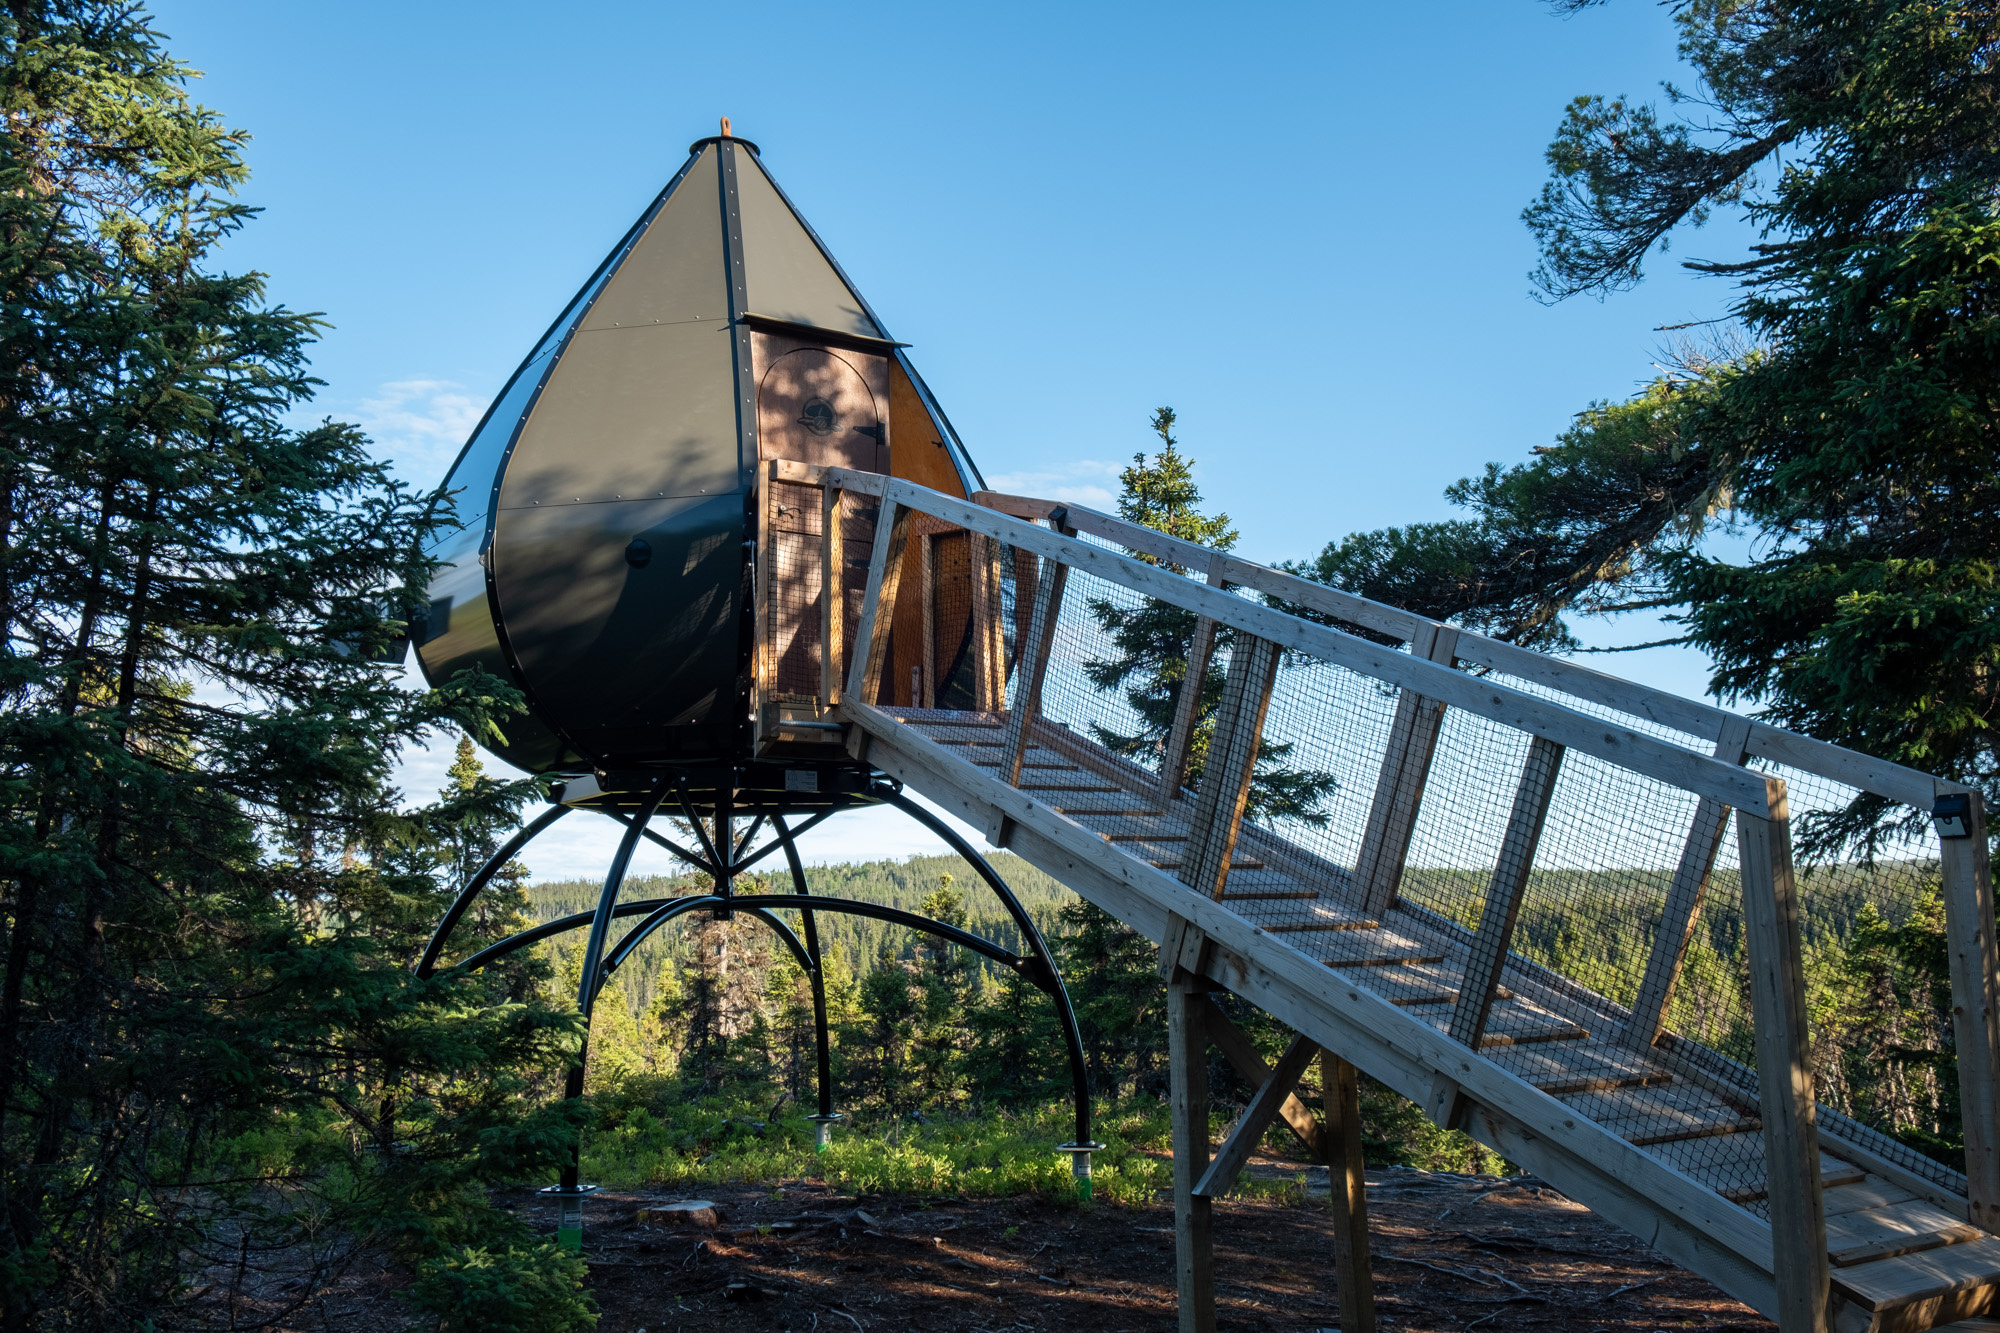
609 525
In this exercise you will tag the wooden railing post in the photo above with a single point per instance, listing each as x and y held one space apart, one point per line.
1187 708
878 604
1230 766
1784 1067
833 597
1681 912
989 639
1968 914
1488 955
1399 787
1036 645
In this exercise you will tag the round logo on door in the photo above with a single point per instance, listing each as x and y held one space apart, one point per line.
817 416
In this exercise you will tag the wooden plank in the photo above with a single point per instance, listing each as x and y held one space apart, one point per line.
1919 1280
1340 1084
1607 740
1231 764
1685 895
1187 1059
1236 1047
1868 1234
1870 1192
1784 1066
1505 890
878 603
1234 1154
1399 786
832 598
1187 708
1689 1221
1975 1011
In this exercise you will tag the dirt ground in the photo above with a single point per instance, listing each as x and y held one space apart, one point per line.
1451 1253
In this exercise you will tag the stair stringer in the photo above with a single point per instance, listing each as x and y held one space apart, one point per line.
1674 1214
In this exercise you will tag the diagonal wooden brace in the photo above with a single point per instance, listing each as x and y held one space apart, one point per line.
1236 1047
1229 1159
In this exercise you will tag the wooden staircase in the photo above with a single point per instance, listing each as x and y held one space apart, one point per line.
1797 1211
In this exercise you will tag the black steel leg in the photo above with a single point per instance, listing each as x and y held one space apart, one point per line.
1051 980
569 1226
474 886
824 1120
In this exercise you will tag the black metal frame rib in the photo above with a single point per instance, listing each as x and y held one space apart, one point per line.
1036 966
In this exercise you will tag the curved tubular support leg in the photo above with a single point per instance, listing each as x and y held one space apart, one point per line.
600 926
1051 980
474 886
675 907
550 929
821 1036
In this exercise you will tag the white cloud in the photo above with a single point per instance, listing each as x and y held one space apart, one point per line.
1087 481
419 425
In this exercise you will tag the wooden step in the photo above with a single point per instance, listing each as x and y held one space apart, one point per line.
1564 1087
1714 1129
1909 1227
1268 895
1530 1036
1385 960
1911 1292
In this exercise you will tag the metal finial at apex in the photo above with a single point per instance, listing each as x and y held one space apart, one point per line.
611 507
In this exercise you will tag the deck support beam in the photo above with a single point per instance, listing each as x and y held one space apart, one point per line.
833 597
1399 787
1347 1185
1194 1242
1969 925
1784 1068
1682 912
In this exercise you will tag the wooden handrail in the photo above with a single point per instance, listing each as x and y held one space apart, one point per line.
1525 712
1892 781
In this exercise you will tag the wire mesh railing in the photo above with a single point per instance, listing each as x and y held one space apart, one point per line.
1518 865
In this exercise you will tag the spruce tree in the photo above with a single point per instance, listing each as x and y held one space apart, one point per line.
209 1036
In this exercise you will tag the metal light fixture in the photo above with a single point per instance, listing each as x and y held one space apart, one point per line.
1951 815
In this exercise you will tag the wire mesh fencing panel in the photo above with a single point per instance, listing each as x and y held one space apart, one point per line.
1618 895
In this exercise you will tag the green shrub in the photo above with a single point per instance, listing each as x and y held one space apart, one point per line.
526 1288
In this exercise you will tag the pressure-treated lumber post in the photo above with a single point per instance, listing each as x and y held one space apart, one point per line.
1784 1067
1187 1055
1488 954
1035 648
1968 915
1348 1193
878 604
1187 708
1504 893
1399 787
1231 763
989 640
1682 911
833 596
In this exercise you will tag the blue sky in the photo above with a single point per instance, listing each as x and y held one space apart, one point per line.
1296 224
